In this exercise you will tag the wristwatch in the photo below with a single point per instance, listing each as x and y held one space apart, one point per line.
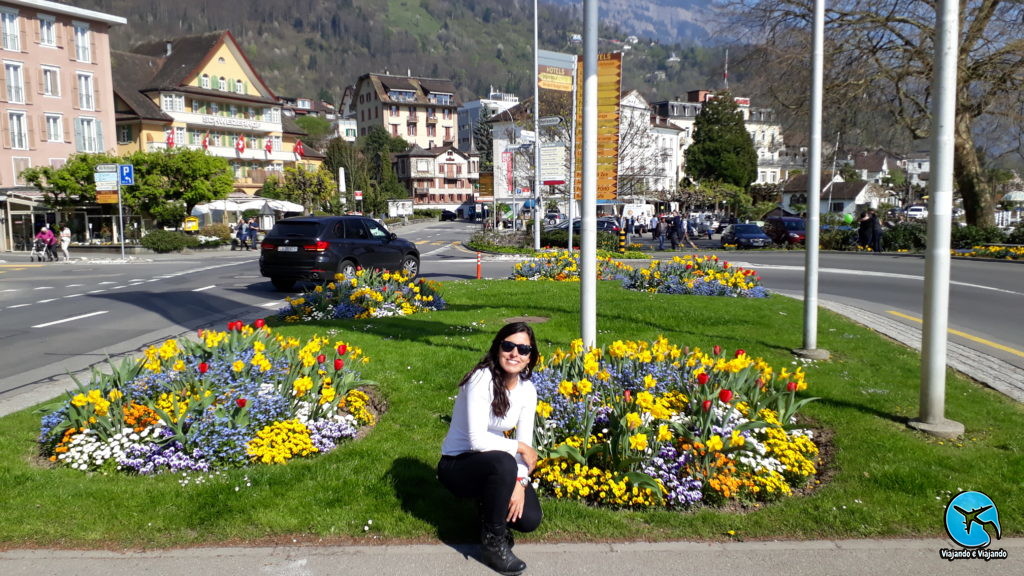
524 481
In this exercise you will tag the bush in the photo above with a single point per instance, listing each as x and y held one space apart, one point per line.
221 231
906 236
835 238
1017 235
164 241
560 239
971 236
432 213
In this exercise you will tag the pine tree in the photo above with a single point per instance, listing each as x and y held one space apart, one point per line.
722 150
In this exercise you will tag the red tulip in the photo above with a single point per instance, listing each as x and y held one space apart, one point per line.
725 395
740 352
703 378
321 359
342 349
629 396
338 364
199 333
706 405
203 367
790 386
688 266
725 265
717 349
259 323
240 402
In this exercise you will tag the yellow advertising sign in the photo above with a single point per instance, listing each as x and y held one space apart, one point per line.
609 87
106 197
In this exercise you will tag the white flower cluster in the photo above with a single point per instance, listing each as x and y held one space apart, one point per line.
87 451
387 309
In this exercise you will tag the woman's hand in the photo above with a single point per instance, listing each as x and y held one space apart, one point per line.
516 504
529 455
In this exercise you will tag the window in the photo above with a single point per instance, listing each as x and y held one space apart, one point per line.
410 129
86 96
239 87
214 108
18 127
431 130
204 81
54 128
447 113
88 135
393 111
10 30
50 79
233 111
198 107
443 99
47 31
15 82
172 102
124 135
83 47
222 83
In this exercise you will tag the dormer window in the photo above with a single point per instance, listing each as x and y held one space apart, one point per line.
239 87
204 81
440 98
402 95
222 83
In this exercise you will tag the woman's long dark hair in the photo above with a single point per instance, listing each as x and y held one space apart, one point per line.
499 405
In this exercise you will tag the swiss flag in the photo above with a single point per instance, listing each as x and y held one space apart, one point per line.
298 149
240 144
269 146
170 138
206 141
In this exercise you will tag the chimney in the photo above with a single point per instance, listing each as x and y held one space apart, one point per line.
170 48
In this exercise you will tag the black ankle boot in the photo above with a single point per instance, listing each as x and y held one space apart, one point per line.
497 553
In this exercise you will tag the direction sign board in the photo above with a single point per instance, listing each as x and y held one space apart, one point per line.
106 197
127 172
98 177
106 168
107 186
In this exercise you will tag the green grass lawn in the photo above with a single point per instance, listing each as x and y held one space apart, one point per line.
879 478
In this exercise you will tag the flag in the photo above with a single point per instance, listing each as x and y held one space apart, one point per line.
170 138
298 149
269 146
240 144
206 141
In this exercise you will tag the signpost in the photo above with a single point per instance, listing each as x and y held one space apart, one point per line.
358 195
108 179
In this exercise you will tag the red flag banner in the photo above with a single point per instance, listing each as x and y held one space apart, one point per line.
170 138
299 149
240 144
206 141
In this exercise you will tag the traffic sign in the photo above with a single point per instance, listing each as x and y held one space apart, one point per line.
127 172
107 186
106 197
106 168
104 177
358 194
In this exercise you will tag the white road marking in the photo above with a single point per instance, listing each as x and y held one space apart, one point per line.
72 295
19 305
116 287
879 274
205 288
72 285
70 319
272 304
96 291
107 282
43 288
45 301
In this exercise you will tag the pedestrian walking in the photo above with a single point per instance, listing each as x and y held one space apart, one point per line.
253 233
876 231
674 230
685 225
653 225
65 241
242 234
46 239
479 462
660 231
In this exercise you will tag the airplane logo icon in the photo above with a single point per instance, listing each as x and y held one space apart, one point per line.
970 509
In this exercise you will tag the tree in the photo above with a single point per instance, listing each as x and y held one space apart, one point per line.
722 149
70 185
377 147
318 130
169 183
880 58
317 190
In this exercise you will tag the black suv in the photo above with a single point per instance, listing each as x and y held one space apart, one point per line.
317 247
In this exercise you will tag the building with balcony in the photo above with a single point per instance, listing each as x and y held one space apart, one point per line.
423 111
442 177
202 92
55 101
471 114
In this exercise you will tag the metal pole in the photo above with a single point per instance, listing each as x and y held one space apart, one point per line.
588 209
814 192
120 214
940 214
536 132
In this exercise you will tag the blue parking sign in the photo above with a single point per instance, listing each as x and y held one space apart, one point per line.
127 172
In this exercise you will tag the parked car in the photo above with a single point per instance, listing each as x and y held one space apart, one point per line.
448 215
745 236
917 212
786 230
315 248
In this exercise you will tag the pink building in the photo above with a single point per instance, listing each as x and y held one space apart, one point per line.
56 97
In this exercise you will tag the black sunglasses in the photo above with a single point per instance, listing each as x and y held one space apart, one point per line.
508 346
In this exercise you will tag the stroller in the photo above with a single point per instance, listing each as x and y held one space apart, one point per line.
39 251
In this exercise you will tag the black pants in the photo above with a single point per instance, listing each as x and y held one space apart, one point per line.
489 478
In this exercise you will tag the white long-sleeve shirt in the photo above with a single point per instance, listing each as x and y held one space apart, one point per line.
475 428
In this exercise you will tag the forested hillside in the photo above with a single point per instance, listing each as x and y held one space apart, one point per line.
318 47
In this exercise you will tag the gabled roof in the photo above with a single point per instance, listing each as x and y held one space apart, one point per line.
421 87
871 161
172 65
415 151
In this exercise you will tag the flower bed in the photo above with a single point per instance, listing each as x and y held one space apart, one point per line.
231 398
562 266
640 424
997 252
368 294
704 276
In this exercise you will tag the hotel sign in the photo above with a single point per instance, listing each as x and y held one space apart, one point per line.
225 122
